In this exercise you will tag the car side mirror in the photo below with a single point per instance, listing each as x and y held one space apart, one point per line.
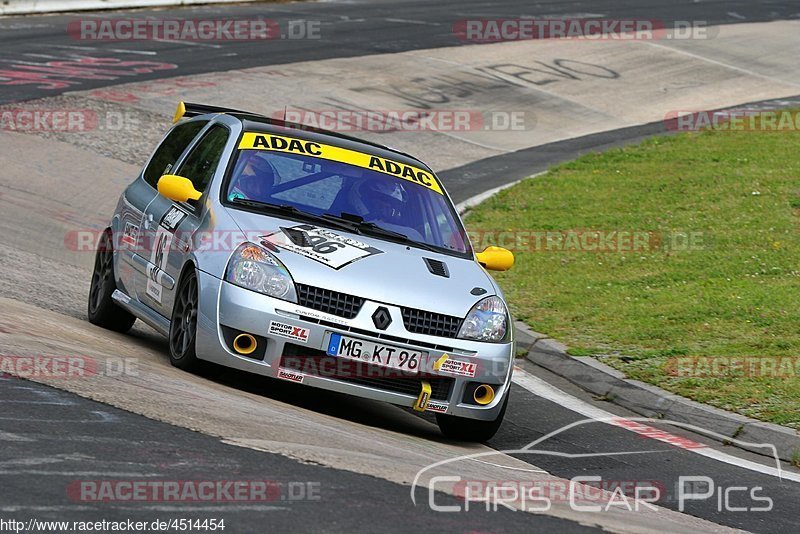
496 259
177 188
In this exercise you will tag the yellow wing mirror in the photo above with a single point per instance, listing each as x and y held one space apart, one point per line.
177 188
496 259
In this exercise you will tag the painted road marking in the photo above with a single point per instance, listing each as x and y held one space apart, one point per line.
8 436
722 64
539 387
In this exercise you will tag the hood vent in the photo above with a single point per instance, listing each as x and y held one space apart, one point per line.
437 267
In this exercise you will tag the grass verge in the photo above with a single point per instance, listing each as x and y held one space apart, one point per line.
676 261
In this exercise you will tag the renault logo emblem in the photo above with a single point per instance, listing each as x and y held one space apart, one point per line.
381 318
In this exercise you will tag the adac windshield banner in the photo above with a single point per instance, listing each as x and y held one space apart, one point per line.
291 145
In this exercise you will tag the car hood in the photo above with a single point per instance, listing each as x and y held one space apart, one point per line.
382 271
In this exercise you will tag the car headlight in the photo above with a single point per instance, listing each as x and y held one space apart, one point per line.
252 267
487 321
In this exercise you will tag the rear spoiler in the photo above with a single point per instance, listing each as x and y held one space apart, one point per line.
187 109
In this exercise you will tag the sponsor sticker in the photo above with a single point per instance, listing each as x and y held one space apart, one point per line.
321 245
319 316
296 333
131 234
438 407
291 376
160 255
173 218
458 367
278 143
438 363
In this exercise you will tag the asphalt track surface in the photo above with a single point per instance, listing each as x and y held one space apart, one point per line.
51 437
78 439
346 29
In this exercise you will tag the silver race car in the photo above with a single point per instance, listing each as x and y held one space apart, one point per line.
311 257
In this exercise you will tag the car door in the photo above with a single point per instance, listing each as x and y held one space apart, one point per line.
171 224
136 238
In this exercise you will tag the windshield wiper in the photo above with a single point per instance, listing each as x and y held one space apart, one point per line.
360 226
345 221
286 209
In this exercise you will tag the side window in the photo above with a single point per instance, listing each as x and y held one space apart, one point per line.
171 149
202 162
445 230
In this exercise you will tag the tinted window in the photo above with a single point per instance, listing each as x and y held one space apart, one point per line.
202 162
171 149
319 186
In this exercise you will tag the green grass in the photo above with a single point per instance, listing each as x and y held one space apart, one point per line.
735 293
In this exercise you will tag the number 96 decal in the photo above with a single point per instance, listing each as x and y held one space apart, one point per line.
321 244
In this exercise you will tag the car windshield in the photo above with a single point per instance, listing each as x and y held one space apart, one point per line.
323 187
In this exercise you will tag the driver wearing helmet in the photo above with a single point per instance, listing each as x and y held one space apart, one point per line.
256 179
387 205
384 201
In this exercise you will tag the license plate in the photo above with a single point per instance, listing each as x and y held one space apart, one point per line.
375 353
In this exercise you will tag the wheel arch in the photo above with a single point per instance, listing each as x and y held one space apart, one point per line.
190 265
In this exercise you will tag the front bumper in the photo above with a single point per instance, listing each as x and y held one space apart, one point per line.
295 351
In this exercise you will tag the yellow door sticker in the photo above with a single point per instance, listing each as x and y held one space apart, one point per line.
278 143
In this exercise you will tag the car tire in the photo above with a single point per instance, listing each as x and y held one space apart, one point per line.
463 429
102 310
183 325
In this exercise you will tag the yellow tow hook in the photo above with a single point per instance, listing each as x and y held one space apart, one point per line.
424 397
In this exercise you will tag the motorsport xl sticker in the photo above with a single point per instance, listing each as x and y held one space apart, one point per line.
458 367
288 331
291 145
291 376
160 255
322 245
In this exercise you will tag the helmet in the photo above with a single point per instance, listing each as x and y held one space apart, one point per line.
256 177
384 200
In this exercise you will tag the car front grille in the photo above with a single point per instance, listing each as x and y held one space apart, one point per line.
328 301
348 306
430 323
318 363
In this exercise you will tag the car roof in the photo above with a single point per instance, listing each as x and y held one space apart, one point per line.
260 124
272 126
254 122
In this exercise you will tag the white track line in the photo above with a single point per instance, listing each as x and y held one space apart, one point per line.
721 63
539 387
